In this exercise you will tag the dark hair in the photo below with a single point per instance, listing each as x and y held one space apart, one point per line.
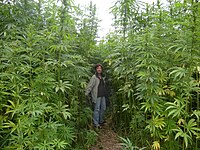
97 65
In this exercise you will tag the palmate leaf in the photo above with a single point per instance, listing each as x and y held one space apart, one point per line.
36 109
156 122
159 122
155 126
67 63
60 109
191 127
142 74
176 112
176 108
58 144
190 130
178 47
50 125
63 86
67 133
128 145
11 125
180 133
156 145
186 138
44 146
178 73
196 113
14 108
147 106
125 107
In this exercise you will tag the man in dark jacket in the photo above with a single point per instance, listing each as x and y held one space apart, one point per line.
97 89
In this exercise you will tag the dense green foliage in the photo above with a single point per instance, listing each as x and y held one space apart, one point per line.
44 69
152 59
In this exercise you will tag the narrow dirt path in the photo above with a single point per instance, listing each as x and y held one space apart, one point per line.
107 139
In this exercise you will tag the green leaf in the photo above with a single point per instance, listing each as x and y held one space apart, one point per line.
196 113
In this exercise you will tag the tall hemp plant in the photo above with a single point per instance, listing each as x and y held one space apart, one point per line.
30 120
162 51
120 58
42 76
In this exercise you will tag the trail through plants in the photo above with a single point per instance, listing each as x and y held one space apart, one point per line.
107 139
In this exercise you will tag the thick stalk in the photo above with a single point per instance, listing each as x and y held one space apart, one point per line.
194 25
198 126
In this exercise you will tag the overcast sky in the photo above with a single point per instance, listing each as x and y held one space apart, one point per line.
103 12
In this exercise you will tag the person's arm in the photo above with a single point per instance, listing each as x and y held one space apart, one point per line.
90 86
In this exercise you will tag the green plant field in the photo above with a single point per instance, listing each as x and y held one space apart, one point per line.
152 64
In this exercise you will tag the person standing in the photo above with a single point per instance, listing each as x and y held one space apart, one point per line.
97 88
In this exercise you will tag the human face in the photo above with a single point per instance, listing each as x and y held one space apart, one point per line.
99 69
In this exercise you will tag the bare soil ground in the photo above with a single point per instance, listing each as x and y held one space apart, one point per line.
107 139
